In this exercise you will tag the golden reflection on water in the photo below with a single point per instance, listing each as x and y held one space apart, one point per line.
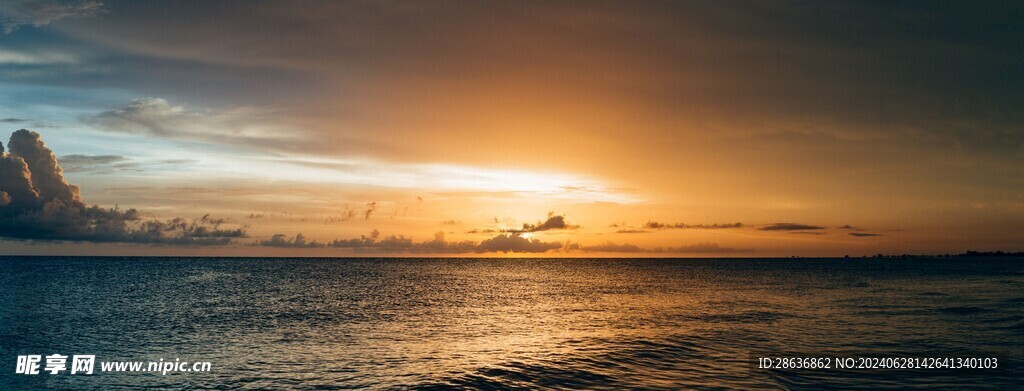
492 323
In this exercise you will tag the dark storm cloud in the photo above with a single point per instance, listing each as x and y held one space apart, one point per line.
37 203
657 225
789 227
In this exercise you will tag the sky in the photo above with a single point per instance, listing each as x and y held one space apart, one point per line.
518 128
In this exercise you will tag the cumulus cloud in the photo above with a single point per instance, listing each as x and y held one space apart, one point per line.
516 243
45 174
657 225
789 227
17 13
554 222
37 203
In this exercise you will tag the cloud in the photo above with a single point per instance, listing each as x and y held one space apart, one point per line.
145 115
24 58
707 247
17 13
657 225
13 120
789 227
37 203
516 243
90 159
849 227
376 243
554 222
299 241
402 244
863 234
370 207
611 247
631 231
345 215
83 163
239 126
46 175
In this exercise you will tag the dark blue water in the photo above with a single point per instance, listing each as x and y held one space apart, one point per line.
511 323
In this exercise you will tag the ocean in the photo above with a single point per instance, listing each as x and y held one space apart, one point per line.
511 323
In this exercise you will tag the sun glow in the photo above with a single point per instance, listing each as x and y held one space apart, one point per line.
431 177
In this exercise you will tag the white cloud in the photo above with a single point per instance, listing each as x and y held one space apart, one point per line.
11 57
158 117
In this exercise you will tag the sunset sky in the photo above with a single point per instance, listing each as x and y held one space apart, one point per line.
521 128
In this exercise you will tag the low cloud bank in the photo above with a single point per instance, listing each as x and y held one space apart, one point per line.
376 243
611 247
37 203
502 243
